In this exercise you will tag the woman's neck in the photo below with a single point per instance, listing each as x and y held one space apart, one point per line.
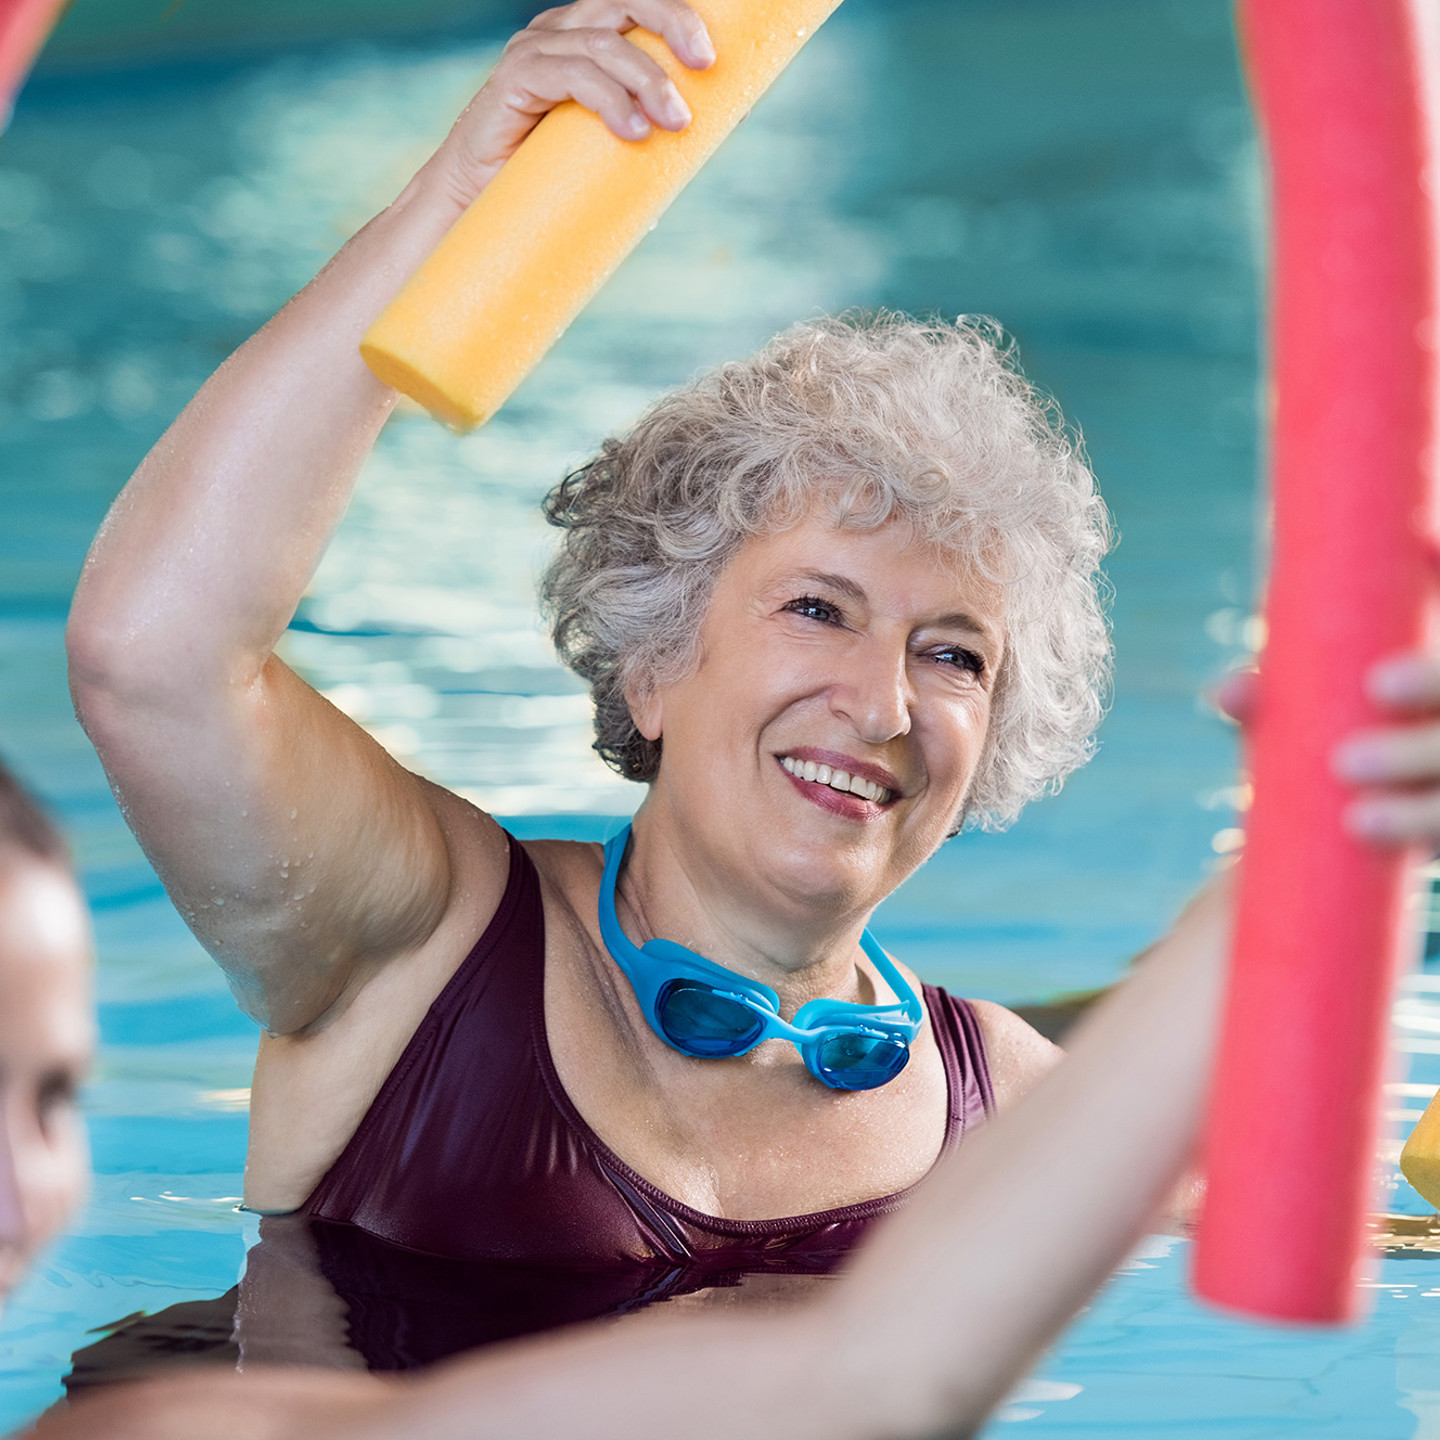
674 888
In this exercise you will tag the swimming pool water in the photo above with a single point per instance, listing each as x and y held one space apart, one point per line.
1086 173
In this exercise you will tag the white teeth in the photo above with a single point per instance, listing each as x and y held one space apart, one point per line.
840 780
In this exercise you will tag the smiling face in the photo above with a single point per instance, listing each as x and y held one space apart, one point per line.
46 1036
824 742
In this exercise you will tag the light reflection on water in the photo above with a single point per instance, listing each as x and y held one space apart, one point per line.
1087 173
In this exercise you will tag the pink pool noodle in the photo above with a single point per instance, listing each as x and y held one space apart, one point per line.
1291 1138
24 24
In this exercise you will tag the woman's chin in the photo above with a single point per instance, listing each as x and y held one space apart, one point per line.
837 866
827 871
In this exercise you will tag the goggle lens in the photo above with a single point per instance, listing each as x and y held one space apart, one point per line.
703 1022
855 1061
709 1024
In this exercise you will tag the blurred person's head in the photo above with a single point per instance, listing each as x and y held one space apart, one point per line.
47 1031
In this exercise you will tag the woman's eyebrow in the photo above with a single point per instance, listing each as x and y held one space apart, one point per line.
959 620
839 584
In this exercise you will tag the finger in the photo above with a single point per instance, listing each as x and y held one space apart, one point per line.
1237 695
1396 820
1406 682
572 77
673 20
610 56
1390 757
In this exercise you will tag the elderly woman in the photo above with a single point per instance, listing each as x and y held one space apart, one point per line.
834 602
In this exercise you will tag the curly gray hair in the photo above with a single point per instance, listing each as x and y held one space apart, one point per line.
875 417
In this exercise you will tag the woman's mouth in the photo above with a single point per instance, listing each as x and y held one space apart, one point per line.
841 781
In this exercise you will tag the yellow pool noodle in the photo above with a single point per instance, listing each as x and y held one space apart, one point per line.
561 215
1420 1159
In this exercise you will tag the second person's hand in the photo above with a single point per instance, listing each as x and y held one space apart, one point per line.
1395 768
1398 767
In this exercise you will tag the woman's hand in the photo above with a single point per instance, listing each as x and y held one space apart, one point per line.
1398 767
576 52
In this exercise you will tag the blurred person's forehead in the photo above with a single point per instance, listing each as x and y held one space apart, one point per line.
45 1009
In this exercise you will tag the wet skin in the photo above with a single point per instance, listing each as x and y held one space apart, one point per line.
861 649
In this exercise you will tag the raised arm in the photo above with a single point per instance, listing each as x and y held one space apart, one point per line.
300 853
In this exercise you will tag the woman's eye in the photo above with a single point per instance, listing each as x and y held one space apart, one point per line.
961 659
55 1094
813 609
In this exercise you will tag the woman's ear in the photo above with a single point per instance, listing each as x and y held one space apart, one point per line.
646 708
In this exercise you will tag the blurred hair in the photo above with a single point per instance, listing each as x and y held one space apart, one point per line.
873 418
24 826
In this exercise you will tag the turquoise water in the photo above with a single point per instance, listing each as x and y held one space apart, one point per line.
1087 173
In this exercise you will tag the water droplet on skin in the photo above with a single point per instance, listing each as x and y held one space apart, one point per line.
219 900
244 814
294 814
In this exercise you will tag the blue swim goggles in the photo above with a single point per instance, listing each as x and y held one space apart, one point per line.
700 1008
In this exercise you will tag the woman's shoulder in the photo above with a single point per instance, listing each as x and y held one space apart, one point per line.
1019 1056
567 868
569 872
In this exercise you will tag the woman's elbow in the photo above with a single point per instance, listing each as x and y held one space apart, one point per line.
109 673
125 661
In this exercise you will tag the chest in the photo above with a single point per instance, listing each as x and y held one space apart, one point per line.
750 1138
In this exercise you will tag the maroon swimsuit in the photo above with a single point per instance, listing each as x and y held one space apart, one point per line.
472 1150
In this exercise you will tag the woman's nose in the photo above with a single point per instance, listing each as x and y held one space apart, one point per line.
874 694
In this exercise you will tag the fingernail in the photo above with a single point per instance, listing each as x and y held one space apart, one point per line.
702 48
1369 822
1359 760
636 126
676 111
1396 682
